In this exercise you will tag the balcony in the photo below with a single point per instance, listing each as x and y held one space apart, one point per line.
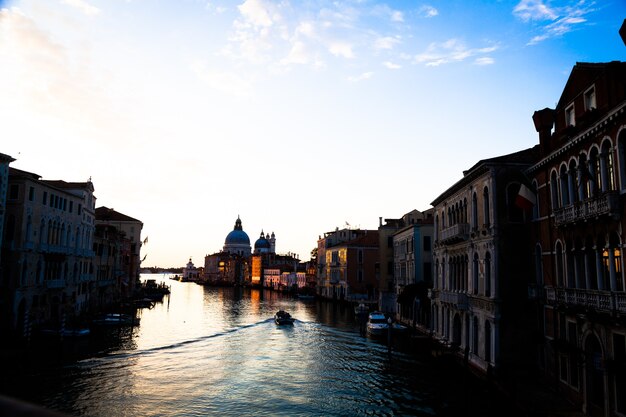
600 301
458 299
55 283
456 233
433 294
605 205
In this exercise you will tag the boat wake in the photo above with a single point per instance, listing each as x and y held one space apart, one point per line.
148 351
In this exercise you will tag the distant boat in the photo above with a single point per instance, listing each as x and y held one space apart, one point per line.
282 317
116 319
378 324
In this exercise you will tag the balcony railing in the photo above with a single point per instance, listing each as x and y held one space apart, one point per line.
55 283
457 232
432 293
605 204
601 301
458 299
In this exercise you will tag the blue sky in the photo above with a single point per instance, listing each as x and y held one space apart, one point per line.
299 116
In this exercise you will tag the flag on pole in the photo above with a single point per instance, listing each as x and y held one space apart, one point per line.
525 198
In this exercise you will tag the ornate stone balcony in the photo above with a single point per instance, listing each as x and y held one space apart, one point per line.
601 301
455 233
606 204
458 299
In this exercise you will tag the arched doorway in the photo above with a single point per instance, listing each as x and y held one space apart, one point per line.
594 377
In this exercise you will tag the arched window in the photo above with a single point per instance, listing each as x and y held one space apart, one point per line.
559 264
436 228
29 229
488 274
572 181
584 177
486 210
554 191
569 259
595 183
475 335
475 274
606 164
617 277
564 186
474 211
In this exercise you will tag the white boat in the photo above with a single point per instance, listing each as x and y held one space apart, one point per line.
377 324
116 319
282 317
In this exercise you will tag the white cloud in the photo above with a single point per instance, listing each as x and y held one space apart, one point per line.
533 10
485 60
361 77
391 65
428 11
83 6
341 49
258 13
386 42
452 50
397 16
552 22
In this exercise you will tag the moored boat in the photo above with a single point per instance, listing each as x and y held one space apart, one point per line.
116 319
377 324
282 317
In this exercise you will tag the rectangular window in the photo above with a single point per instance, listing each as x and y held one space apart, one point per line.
570 117
44 201
71 206
590 99
31 193
14 192
80 209
427 244
428 274
360 275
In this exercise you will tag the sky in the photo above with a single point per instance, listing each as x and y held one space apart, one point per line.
298 116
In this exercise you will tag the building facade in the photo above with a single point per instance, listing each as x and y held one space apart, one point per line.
47 259
480 239
130 228
5 160
578 287
412 253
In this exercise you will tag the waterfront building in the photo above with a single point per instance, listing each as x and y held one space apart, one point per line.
348 268
190 272
578 288
112 250
47 261
413 268
130 228
480 243
5 160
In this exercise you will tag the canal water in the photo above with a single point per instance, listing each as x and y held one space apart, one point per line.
216 351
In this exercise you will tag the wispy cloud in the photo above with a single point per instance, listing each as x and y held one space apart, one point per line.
361 77
428 11
391 65
452 50
552 22
341 48
485 60
83 6
387 42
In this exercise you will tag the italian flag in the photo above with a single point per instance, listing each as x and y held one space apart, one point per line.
525 198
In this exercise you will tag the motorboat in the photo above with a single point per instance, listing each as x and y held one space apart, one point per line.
377 324
116 319
282 317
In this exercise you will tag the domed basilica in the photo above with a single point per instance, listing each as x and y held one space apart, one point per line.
237 241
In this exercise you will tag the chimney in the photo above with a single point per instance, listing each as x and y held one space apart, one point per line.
380 222
544 120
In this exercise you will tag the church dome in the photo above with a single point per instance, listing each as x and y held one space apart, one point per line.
262 243
237 236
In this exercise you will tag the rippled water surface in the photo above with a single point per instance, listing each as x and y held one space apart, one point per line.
216 351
